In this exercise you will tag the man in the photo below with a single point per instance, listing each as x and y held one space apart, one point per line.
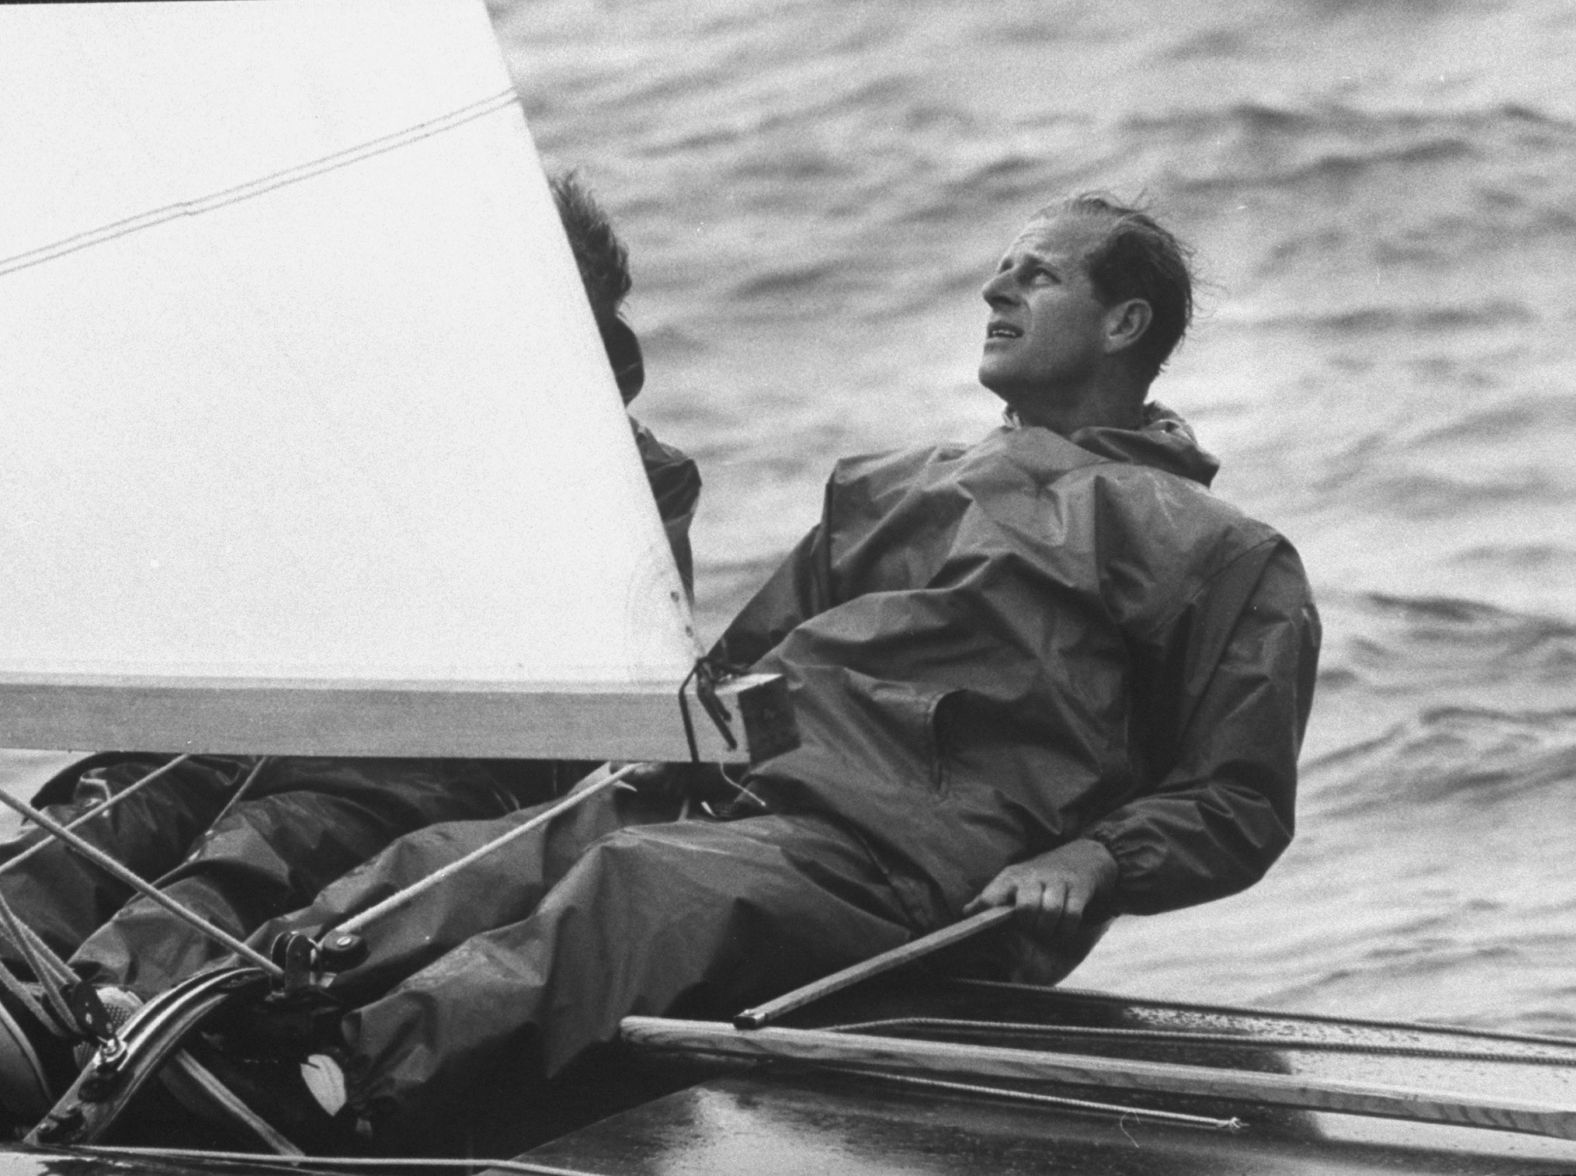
603 262
1047 670
302 822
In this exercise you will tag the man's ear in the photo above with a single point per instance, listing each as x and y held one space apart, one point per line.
1125 324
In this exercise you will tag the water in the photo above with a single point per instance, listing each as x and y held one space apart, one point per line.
1383 197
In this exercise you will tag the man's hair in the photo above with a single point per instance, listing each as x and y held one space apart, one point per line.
603 262
1137 258
601 257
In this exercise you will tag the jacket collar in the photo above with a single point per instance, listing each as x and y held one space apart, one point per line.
1165 441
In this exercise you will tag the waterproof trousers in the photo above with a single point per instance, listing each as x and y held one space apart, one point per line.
500 888
303 823
693 917
62 896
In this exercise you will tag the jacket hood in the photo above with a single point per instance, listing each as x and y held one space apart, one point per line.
1165 441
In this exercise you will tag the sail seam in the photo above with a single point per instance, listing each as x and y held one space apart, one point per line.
253 188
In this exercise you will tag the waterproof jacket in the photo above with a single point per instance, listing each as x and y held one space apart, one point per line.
675 484
998 648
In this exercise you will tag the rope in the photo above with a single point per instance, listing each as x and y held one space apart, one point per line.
21 994
18 988
97 810
111 866
582 792
51 972
41 959
46 967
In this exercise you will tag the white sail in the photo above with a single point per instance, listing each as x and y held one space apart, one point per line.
309 440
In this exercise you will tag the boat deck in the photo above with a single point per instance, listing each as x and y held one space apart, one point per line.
798 1116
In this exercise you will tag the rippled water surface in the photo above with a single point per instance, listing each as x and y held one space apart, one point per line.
1383 198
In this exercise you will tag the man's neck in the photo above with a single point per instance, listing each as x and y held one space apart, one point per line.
1115 405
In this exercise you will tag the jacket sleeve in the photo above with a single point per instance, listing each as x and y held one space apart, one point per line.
1243 655
799 589
795 592
675 485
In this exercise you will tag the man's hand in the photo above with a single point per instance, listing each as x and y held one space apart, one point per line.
1053 891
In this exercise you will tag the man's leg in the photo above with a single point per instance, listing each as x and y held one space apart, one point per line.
306 822
65 898
498 889
693 917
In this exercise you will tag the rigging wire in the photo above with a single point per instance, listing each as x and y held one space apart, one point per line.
153 894
53 974
239 794
99 809
582 792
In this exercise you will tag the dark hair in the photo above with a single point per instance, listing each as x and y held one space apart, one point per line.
603 262
1137 258
601 256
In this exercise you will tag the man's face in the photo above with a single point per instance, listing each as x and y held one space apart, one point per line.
1045 335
